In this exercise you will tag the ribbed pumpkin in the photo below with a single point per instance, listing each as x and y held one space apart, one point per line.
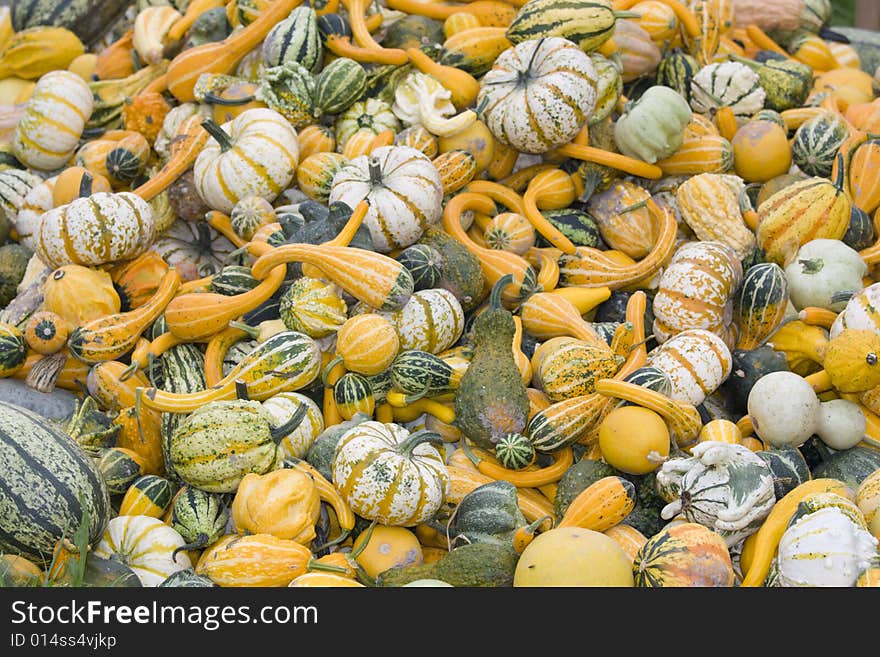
761 304
623 219
803 211
432 320
256 154
510 231
146 545
314 175
53 121
684 555
404 191
658 20
389 475
702 150
368 343
711 209
696 361
373 114
313 307
519 97
695 289
816 143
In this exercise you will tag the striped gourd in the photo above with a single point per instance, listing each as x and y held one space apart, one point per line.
198 516
339 85
316 139
282 407
424 263
56 113
803 211
149 495
233 280
312 306
684 555
222 441
146 545
576 225
99 229
286 361
367 343
863 176
475 49
120 467
609 87
353 394
700 152
703 45
183 371
696 361
36 203
652 378
761 304
538 94
695 289
314 175
637 52
514 451
418 137
48 484
373 114
676 70
14 187
623 220
432 320
588 23
416 372
295 39
862 311
510 231
711 209
456 168
13 349
817 142
404 191
565 422
573 369
658 20
727 84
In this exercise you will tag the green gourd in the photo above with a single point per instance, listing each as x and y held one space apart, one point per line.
475 564
199 517
460 270
488 514
491 400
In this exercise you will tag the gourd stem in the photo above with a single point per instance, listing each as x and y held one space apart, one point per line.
325 373
626 14
368 534
241 391
218 134
415 439
469 452
497 289
214 99
751 63
635 206
314 564
200 542
252 331
295 420
336 541
840 181
375 172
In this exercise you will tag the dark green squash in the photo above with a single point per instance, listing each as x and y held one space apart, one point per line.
233 280
413 31
789 468
576 225
460 269
850 466
676 69
118 469
199 517
860 232
14 260
186 578
424 263
747 368
209 27
488 514
322 450
475 564
87 19
491 400
417 372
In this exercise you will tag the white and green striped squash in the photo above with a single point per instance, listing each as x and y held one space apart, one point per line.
417 372
49 483
313 306
295 39
373 114
340 85
255 154
353 394
816 143
199 517
53 121
15 184
146 545
182 371
403 189
99 229
761 304
722 486
538 94
514 451
432 320
296 443
387 474
588 23
727 84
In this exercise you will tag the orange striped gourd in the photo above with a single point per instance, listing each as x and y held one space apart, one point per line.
701 151
601 505
863 176
623 218
367 344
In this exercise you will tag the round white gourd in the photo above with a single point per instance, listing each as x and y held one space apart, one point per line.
784 409
841 423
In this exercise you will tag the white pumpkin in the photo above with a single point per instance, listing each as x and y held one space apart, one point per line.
432 320
35 204
255 154
53 121
827 547
282 407
696 361
722 486
840 424
862 311
389 475
15 185
727 84
821 269
146 545
403 189
538 94
95 230
784 409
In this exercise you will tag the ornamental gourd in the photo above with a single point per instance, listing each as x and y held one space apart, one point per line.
389 475
146 545
538 94
283 503
313 307
687 554
403 189
727 84
256 154
53 121
96 230
724 487
432 320
696 361
820 270
652 127
710 208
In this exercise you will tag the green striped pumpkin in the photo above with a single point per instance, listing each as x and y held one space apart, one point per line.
588 23
416 372
48 482
424 263
199 517
816 143
761 304
148 495
312 306
514 451
573 369
676 70
13 349
183 371
372 114
233 280
14 187
119 469
295 39
576 225
353 394
652 378
186 578
340 85
727 84
860 233
381 384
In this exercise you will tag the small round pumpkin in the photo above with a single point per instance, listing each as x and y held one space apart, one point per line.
684 555
633 439
368 343
46 332
381 548
761 151
250 214
514 451
313 307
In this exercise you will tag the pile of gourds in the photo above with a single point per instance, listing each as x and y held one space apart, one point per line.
402 293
